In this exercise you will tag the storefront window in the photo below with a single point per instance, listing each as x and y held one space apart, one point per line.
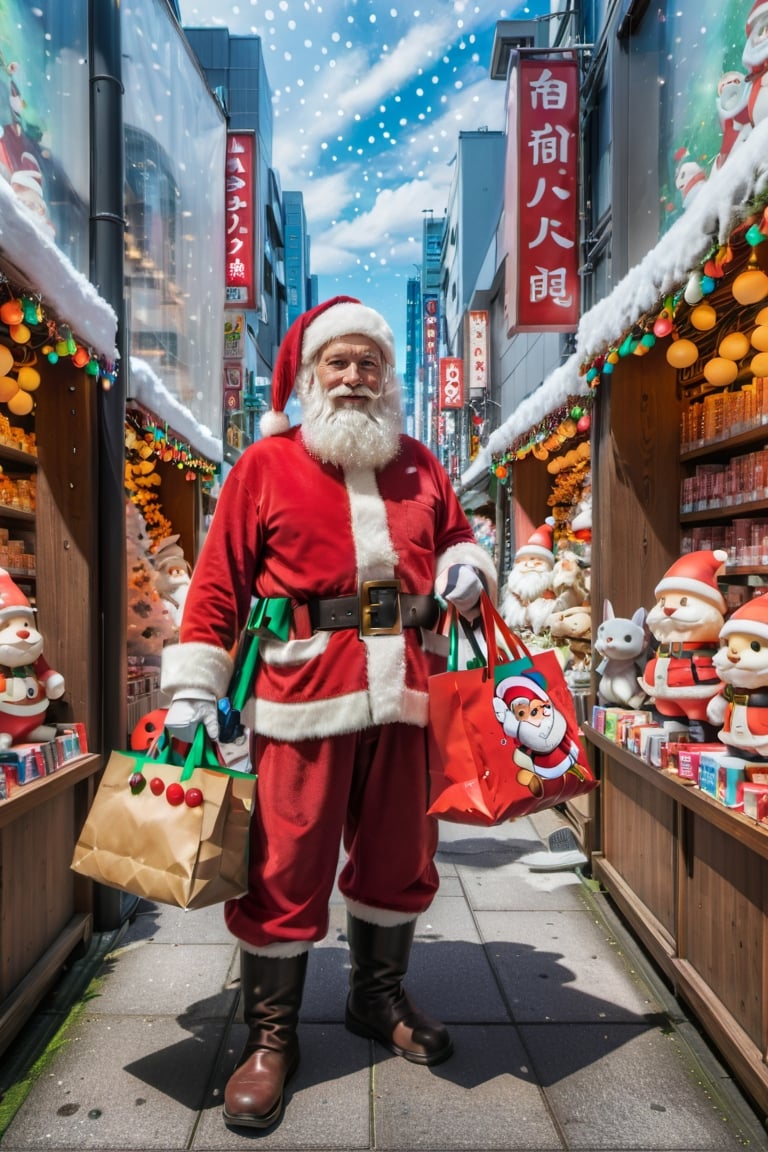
44 133
175 138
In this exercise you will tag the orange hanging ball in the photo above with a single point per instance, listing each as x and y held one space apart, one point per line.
28 378
21 404
6 360
8 388
20 333
11 312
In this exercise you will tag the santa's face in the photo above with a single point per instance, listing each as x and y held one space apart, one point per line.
756 47
679 617
529 579
536 724
742 660
351 410
20 641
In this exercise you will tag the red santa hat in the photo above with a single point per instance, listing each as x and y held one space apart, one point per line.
759 8
12 599
539 545
751 618
340 316
697 573
514 688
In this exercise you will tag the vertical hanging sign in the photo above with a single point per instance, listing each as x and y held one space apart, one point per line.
451 382
431 331
541 196
240 221
477 351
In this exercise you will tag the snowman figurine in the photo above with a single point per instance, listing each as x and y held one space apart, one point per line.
686 619
27 682
741 705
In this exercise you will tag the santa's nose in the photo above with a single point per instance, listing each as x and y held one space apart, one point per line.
23 634
669 611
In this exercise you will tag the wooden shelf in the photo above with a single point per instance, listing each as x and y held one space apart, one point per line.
728 820
724 512
726 446
26 797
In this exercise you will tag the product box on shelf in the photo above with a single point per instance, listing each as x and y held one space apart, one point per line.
755 800
709 764
687 759
757 771
730 781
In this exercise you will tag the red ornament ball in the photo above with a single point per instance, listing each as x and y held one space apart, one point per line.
193 798
157 786
174 794
148 729
583 423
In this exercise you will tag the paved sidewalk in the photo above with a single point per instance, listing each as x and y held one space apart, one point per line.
564 1037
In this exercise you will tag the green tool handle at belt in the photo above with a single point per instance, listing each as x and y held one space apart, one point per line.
269 616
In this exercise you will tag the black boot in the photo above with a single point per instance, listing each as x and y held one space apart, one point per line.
271 988
378 1006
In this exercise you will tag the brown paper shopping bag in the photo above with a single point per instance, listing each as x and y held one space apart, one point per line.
170 833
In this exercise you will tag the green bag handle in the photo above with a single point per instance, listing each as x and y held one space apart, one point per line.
270 615
200 754
455 618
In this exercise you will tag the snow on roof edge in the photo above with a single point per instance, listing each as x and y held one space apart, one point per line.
66 291
148 389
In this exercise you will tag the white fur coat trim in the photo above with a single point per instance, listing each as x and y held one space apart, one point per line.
384 917
195 665
472 554
315 719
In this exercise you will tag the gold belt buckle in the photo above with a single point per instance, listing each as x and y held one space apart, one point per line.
379 600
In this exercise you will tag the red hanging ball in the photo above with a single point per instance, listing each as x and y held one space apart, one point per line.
174 794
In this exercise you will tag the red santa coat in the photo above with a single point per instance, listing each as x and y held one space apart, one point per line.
745 721
287 525
683 683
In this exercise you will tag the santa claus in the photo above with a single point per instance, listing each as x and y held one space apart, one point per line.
741 705
27 681
544 750
686 620
528 597
359 527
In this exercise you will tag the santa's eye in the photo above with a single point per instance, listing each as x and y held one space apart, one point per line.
755 645
683 601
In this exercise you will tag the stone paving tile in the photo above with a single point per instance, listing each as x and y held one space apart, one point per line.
175 926
166 979
328 1100
119 1082
484 1097
561 965
625 1086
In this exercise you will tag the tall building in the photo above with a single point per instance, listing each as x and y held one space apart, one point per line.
297 278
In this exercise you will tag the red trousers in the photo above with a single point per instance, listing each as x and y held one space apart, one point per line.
367 790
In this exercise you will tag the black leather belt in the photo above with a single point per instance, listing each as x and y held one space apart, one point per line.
746 697
380 609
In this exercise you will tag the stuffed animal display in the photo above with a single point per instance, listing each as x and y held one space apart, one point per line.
622 643
27 682
741 705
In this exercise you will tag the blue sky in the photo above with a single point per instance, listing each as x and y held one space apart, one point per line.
369 97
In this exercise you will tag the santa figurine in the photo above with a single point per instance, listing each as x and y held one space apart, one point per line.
528 596
690 177
27 682
686 619
173 576
754 57
741 705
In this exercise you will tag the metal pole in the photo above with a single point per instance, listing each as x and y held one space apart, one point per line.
107 244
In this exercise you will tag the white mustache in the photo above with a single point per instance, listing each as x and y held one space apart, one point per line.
344 390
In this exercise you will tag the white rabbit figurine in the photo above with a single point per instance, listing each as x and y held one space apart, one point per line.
622 644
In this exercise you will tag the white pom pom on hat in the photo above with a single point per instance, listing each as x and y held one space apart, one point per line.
340 316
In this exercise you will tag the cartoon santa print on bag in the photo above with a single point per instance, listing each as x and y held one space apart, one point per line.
27 682
741 705
527 715
686 620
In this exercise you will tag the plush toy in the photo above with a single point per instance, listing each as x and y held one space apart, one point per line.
622 644
27 682
527 598
569 583
686 620
574 625
741 705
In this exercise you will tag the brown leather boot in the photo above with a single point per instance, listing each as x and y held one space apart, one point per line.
271 988
378 1006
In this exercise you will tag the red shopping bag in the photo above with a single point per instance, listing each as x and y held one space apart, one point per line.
503 736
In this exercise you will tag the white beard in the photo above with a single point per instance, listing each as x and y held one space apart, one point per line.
528 586
361 437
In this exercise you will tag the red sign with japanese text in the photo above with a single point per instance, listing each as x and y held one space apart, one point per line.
241 220
431 330
451 382
541 196
477 351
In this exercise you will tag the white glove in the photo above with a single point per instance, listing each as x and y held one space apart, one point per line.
188 710
462 585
